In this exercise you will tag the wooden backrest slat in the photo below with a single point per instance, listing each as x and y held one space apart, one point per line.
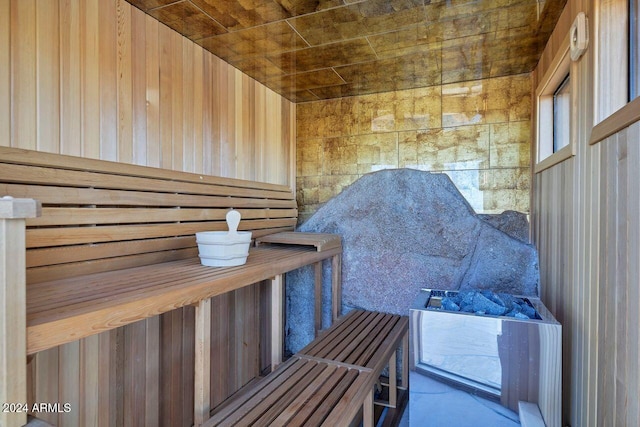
45 237
53 195
111 259
90 179
90 216
99 215
59 161
67 254
62 271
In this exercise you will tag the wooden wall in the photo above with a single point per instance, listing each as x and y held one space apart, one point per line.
100 79
586 225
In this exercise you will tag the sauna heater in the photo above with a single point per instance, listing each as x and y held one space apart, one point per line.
503 358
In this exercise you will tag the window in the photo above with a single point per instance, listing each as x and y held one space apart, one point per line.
561 115
618 68
554 108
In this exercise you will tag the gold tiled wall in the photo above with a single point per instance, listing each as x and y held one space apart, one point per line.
477 132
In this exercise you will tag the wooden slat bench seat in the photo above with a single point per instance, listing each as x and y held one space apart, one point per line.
329 382
301 392
65 310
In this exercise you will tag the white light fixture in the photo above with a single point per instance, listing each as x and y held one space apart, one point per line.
579 36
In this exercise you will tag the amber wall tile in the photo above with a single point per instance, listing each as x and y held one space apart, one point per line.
334 117
477 132
401 110
496 100
510 144
312 192
340 158
494 190
375 152
465 147
309 154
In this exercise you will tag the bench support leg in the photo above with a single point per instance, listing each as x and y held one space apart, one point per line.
336 286
367 410
277 324
13 306
405 362
202 377
393 381
318 297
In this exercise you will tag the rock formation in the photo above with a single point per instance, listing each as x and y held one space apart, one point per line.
403 230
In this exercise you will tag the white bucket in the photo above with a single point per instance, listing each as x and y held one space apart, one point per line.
222 248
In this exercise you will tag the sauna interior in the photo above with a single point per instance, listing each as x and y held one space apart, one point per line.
526 105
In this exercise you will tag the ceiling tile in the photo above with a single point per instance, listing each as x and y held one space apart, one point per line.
302 96
188 20
303 81
402 42
236 15
260 68
340 91
447 10
517 16
145 5
417 70
357 20
257 41
296 95
330 55
422 69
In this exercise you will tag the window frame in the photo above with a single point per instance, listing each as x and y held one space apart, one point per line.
560 68
614 112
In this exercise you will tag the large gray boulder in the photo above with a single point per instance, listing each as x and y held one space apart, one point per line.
514 223
403 230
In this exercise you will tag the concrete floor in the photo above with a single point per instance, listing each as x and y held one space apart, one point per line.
432 403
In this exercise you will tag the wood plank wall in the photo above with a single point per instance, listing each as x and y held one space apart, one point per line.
100 79
586 225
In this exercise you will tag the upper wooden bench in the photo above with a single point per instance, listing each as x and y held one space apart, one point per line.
116 244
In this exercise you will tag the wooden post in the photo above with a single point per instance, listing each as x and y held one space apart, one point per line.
336 286
393 381
13 306
405 362
317 283
367 411
202 377
277 323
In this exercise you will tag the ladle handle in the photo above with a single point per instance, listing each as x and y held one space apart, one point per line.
233 220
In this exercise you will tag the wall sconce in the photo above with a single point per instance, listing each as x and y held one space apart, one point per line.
579 36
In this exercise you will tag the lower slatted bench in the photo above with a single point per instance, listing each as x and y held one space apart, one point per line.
368 340
300 392
330 381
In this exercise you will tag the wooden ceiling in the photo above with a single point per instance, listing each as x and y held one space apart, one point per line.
320 49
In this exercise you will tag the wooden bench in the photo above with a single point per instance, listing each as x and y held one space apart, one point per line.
115 244
329 382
